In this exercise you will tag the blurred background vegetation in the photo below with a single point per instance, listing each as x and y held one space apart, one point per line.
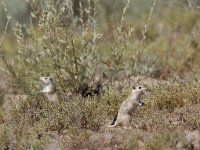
171 13
118 39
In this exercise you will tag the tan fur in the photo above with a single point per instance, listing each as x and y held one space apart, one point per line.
129 106
48 89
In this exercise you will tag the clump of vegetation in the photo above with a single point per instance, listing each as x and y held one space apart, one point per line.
164 140
68 48
171 96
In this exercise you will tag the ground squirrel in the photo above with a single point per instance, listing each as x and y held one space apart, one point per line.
128 107
48 88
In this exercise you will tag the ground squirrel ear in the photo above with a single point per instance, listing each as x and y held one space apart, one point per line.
50 77
134 87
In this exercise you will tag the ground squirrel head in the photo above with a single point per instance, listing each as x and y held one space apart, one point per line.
137 93
46 84
139 90
46 80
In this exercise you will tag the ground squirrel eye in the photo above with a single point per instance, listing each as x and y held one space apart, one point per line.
45 78
139 87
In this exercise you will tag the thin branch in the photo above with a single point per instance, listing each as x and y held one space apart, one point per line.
144 31
5 30
74 54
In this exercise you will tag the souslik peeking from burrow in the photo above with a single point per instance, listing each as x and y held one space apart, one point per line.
48 88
